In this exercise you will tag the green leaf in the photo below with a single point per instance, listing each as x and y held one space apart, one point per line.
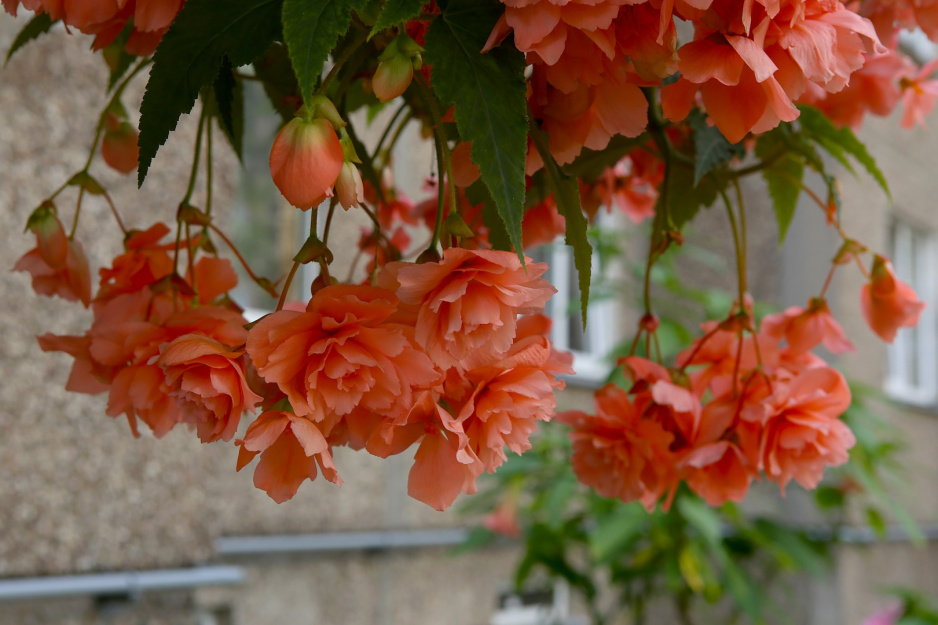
477 194
311 30
33 29
876 521
783 180
616 531
87 183
701 517
834 140
711 149
229 100
276 74
395 12
684 196
190 55
489 95
567 196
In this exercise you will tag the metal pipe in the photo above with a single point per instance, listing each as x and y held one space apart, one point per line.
338 541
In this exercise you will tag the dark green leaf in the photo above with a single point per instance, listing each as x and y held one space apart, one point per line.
276 74
828 497
489 95
683 196
189 56
567 195
86 182
229 99
477 194
311 30
834 140
395 12
711 149
33 29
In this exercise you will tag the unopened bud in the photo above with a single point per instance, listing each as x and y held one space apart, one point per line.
456 226
349 188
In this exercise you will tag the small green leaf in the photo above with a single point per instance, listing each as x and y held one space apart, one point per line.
33 29
488 93
876 521
834 139
86 182
684 196
711 149
311 30
229 100
395 12
117 57
828 497
190 55
567 195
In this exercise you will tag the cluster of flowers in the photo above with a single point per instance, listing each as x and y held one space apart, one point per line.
451 356
747 66
741 403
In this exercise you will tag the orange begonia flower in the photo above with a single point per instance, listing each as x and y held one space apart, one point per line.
207 379
887 302
119 147
58 266
291 448
468 302
805 329
341 354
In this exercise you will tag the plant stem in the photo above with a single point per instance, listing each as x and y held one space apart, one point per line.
194 173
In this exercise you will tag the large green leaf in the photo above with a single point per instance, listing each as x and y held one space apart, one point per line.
838 140
311 30
229 100
190 55
276 74
395 12
567 195
489 95
783 178
33 29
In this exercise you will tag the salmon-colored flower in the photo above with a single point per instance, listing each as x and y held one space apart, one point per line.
887 302
919 95
469 302
207 379
619 453
119 147
291 449
805 329
58 266
803 433
349 188
305 161
542 224
341 354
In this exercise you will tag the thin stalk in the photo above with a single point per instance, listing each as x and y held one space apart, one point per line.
194 173
81 195
190 254
110 203
740 259
387 129
237 253
444 160
328 228
208 169
286 286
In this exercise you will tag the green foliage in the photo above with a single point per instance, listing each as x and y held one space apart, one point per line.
683 196
189 58
34 28
488 94
395 12
782 176
311 30
711 149
229 101
276 75
839 142
567 195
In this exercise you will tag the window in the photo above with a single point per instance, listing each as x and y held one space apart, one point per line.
912 364
589 346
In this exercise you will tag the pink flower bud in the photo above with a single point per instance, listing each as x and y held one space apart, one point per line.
305 161
349 187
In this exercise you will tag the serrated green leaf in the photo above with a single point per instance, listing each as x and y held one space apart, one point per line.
229 100
831 138
711 149
684 196
488 93
567 196
478 193
189 56
276 74
783 180
34 28
311 30
395 12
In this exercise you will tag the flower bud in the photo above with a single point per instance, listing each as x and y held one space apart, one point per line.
119 147
396 68
305 161
349 187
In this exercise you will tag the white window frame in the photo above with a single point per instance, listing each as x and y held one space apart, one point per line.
915 259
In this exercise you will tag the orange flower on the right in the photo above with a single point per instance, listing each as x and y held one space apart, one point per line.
887 302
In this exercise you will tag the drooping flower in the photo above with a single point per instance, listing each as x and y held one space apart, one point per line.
208 380
468 302
805 329
58 266
291 449
349 188
887 302
119 147
305 161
